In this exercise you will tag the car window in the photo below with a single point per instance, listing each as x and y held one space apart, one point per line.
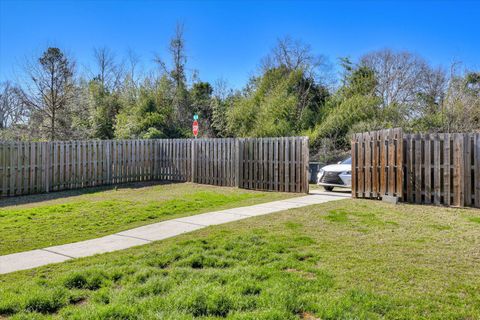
347 161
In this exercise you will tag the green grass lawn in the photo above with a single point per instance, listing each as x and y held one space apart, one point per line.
348 259
66 217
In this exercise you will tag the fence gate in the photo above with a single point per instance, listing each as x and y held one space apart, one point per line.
377 164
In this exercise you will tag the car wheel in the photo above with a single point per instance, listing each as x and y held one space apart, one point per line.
328 188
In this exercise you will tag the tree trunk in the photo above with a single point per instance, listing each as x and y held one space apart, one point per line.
52 127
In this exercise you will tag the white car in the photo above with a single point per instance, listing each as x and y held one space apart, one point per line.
336 175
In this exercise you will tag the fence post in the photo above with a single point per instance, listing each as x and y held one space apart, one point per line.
353 153
399 163
193 162
237 162
458 184
109 162
46 165
306 164
3 167
476 179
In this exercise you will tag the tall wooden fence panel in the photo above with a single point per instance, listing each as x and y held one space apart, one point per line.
437 168
276 164
443 168
214 161
173 160
265 164
377 160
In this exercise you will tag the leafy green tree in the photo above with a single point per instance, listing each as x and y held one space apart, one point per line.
281 102
178 76
353 104
151 113
201 104
104 107
461 108
201 95
219 122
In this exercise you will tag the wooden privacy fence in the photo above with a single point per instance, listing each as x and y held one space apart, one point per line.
438 168
377 164
277 164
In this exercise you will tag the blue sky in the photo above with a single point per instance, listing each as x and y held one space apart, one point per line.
227 39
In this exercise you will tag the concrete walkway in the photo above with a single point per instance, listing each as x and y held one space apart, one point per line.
153 232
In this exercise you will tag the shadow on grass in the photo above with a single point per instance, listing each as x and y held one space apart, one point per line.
33 198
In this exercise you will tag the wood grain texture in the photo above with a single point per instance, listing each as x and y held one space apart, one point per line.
440 168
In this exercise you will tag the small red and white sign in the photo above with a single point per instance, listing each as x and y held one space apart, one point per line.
195 128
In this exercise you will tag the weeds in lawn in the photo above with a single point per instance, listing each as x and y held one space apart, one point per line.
299 264
212 277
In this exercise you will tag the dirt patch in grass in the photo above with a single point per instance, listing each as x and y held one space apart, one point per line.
304 274
308 316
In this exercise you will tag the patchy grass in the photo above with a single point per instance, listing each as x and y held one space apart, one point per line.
97 213
475 219
349 259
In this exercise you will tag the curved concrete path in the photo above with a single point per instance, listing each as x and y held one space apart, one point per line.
153 232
